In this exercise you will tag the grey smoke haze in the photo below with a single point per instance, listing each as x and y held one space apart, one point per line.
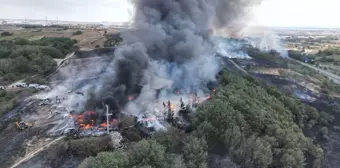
178 32
173 39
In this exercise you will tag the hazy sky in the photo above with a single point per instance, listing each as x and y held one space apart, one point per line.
73 10
318 13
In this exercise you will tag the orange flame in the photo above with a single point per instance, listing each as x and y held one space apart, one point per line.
70 116
103 125
214 90
130 98
172 106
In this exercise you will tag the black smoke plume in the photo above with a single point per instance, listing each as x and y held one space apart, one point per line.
172 39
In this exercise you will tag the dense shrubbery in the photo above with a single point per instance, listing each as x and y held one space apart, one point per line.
7 101
20 57
254 124
151 154
5 33
329 51
77 33
64 45
259 127
330 86
112 40
301 57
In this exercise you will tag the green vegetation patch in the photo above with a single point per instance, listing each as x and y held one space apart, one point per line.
22 58
8 100
258 126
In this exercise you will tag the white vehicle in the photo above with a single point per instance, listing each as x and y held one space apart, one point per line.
44 87
2 88
24 85
33 85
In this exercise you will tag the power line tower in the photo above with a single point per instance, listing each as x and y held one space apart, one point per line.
107 119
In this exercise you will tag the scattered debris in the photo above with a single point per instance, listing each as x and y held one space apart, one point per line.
23 125
47 101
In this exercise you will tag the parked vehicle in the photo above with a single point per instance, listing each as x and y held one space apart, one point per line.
2 88
23 85
33 85
44 87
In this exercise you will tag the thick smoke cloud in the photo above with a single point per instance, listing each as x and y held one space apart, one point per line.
171 39
178 32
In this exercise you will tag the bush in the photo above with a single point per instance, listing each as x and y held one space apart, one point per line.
52 52
37 79
143 154
5 33
21 41
77 33
132 134
106 160
9 77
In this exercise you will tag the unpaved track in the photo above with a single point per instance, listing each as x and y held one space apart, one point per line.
34 153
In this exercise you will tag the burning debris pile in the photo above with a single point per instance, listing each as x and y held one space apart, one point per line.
91 123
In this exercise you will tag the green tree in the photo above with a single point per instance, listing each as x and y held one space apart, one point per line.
148 153
195 152
116 159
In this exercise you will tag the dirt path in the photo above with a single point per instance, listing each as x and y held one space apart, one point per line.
34 153
60 61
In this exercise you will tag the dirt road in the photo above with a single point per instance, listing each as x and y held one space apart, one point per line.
60 61
34 153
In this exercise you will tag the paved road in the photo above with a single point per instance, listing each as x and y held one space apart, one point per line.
330 75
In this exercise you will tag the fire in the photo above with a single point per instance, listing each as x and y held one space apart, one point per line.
150 119
214 90
88 119
85 126
130 98
70 116
209 97
172 106
103 125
